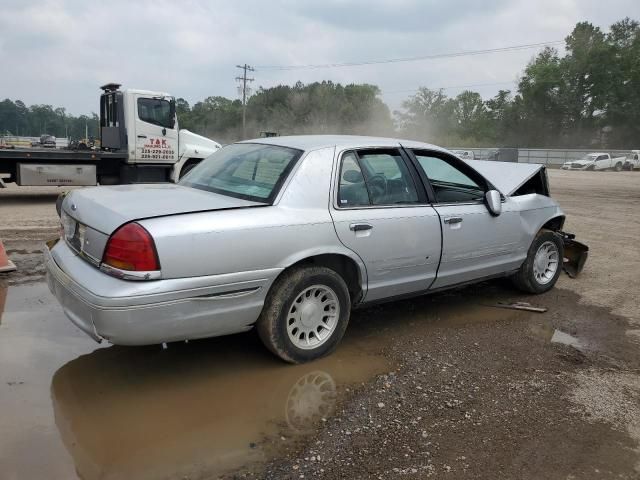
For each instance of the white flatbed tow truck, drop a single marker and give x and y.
(140, 142)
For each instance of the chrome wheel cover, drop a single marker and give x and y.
(545, 263)
(313, 317)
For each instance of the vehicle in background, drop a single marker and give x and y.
(46, 141)
(633, 160)
(84, 144)
(464, 154)
(265, 134)
(503, 154)
(288, 234)
(140, 142)
(595, 161)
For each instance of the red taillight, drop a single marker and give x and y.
(131, 248)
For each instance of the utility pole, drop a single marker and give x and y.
(245, 93)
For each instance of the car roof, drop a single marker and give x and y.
(314, 142)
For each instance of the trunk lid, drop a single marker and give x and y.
(91, 215)
(106, 208)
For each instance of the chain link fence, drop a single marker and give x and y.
(547, 156)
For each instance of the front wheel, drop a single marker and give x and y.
(305, 314)
(542, 267)
(187, 168)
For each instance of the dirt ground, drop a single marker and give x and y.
(443, 386)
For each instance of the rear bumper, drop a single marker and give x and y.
(220, 308)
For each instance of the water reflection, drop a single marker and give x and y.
(548, 333)
(194, 410)
(311, 399)
(208, 407)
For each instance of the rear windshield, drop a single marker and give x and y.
(244, 170)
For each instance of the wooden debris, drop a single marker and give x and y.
(520, 306)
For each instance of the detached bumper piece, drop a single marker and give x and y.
(575, 254)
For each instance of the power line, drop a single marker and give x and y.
(410, 59)
(385, 92)
(245, 92)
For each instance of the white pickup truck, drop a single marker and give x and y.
(596, 161)
(633, 160)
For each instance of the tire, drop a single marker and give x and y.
(278, 321)
(591, 169)
(187, 168)
(528, 278)
(618, 167)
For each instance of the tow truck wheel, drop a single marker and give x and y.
(187, 168)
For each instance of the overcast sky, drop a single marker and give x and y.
(60, 52)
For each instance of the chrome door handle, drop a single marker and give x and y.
(358, 227)
(142, 136)
(452, 220)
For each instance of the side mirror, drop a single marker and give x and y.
(172, 113)
(494, 202)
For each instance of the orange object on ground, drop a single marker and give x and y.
(6, 265)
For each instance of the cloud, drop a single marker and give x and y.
(59, 52)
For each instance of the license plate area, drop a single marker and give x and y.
(74, 232)
(79, 235)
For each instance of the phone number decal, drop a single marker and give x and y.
(157, 149)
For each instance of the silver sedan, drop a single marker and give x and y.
(289, 234)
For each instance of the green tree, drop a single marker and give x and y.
(471, 115)
(427, 115)
(539, 100)
(622, 97)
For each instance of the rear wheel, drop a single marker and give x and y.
(542, 267)
(618, 167)
(305, 314)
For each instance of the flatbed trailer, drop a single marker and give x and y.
(46, 166)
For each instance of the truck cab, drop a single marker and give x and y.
(633, 160)
(143, 126)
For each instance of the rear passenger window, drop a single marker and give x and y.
(375, 177)
(387, 177)
(352, 191)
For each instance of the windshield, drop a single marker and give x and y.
(244, 170)
(590, 157)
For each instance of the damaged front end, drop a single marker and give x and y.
(575, 254)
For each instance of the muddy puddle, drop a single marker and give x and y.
(72, 408)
